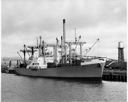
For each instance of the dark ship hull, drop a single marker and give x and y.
(91, 71)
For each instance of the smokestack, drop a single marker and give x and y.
(64, 40)
(64, 31)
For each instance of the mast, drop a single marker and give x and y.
(61, 49)
(75, 36)
(43, 50)
(74, 43)
(70, 54)
(32, 51)
(40, 46)
(37, 42)
(81, 50)
(24, 53)
(55, 56)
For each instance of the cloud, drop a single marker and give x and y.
(45, 15)
(23, 20)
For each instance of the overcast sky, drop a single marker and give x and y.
(24, 20)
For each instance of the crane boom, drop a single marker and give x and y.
(19, 55)
(92, 46)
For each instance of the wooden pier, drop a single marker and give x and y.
(115, 75)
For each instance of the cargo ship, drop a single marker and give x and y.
(64, 63)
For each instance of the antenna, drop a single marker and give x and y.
(37, 42)
(75, 36)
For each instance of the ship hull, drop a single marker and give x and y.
(92, 71)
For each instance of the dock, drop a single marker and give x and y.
(115, 75)
(116, 70)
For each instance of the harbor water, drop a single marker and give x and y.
(27, 89)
